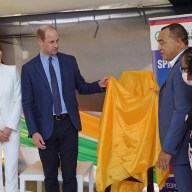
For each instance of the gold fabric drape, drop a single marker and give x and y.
(129, 139)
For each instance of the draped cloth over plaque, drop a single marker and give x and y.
(128, 143)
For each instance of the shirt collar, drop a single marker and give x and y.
(172, 62)
(45, 57)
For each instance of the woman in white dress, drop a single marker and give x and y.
(10, 112)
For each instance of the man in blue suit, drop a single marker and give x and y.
(50, 107)
(174, 103)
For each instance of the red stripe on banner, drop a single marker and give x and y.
(169, 21)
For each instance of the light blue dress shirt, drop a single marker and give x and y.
(55, 62)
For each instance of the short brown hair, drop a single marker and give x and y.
(2, 52)
(41, 31)
(177, 31)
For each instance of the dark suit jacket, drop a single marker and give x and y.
(175, 100)
(37, 98)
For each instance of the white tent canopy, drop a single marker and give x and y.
(26, 7)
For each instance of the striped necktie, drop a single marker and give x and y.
(55, 89)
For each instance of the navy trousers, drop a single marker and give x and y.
(63, 142)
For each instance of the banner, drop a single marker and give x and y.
(161, 68)
(170, 185)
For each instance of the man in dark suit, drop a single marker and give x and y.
(50, 107)
(174, 103)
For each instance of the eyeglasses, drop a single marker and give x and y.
(184, 69)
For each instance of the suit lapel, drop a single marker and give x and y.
(170, 73)
(41, 72)
(62, 65)
(3, 76)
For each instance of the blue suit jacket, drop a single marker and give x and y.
(37, 97)
(175, 100)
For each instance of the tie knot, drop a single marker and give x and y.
(50, 59)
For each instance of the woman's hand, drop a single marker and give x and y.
(4, 136)
(5, 133)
